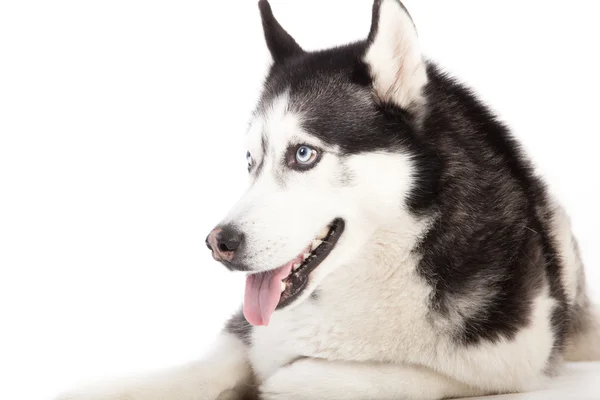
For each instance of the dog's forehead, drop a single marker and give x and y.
(325, 96)
(324, 111)
(277, 124)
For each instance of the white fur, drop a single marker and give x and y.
(312, 379)
(273, 235)
(341, 346)
(395, 58)
(563, 236)
(585, 345)
(221, 370)
(509, 365)
(338, 326)
(262, 212)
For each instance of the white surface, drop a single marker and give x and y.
(121, 127)
(577, 381)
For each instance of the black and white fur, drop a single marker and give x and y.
(457, 274)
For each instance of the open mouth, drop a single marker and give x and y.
(275, 289)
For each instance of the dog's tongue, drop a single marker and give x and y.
(263, 291)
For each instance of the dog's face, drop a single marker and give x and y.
(330, 158)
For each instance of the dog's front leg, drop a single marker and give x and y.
(223, 374)
(312, 379)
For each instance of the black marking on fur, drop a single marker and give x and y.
(240, 327)
(315, 295)
(489, 232)
(333, 90)
(290, 158)
(346, 177)
(490, 241)
(264, 142)
(374, 21)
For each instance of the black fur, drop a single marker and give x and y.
(238, 326)
(492, 230)
(490, 245)
(281, 45)
(330, 87)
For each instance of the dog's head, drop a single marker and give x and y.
(331, 157)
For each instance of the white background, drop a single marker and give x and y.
(120, 147)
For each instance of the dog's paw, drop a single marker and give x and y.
(89, 396)
(98, 395)
(157, 394)
(300, 380)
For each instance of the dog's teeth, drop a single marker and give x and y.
(282, 286)
(295, 266)
(323, 233)
(305, 255)
(316, 243)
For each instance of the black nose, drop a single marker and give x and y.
(229, 239)
(224, 241)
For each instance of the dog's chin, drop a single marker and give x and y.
(292, 282)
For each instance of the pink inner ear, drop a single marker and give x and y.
(394, 56)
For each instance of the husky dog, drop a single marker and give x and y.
(397, 242)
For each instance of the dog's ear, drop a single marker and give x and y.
(394, 56)
(281, 45)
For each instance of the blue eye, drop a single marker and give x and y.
(305, 155)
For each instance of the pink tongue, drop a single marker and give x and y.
(263, 291)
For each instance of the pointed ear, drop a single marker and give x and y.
(394, 56)
(281, 45)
